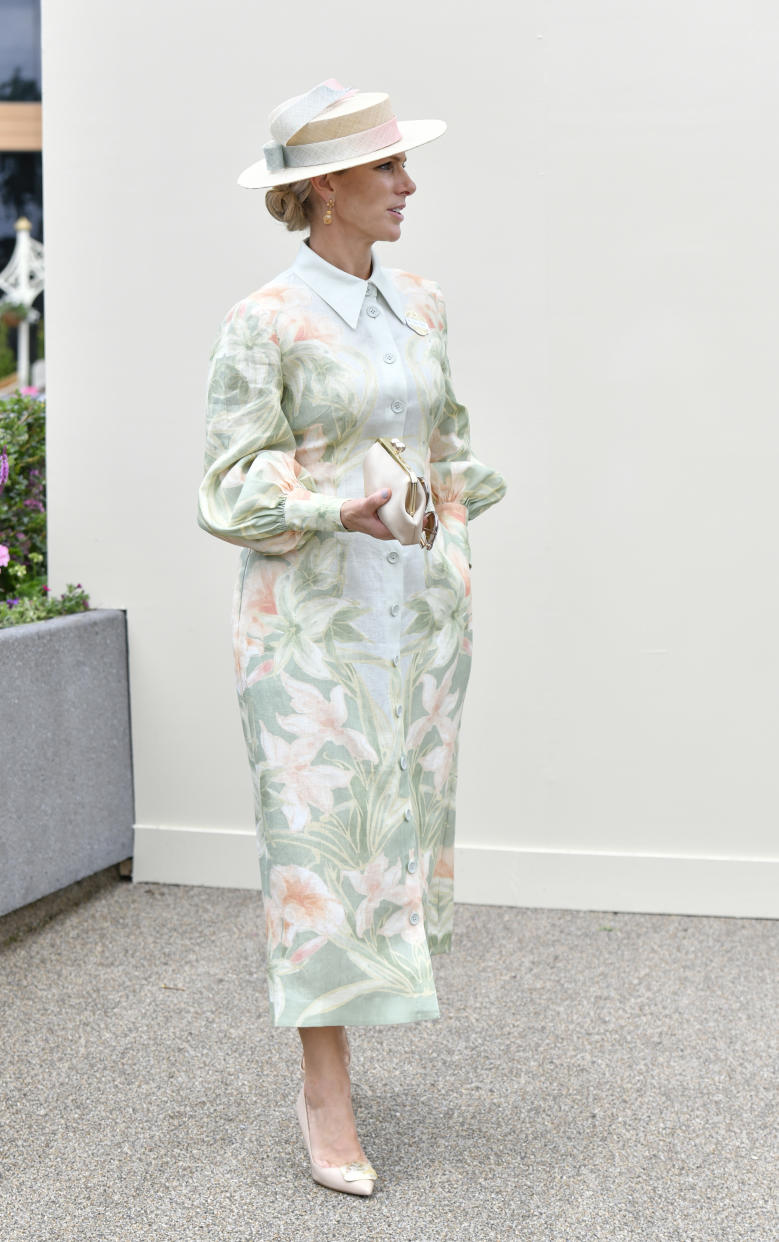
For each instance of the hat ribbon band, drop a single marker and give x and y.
(310, 154)
(292, 116)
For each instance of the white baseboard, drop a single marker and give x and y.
(550, 879)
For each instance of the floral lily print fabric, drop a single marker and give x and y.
(352, 654)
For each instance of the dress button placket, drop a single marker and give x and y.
(382, 319)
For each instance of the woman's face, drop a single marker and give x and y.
(370, 199)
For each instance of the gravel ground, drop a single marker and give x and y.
(594, 1076)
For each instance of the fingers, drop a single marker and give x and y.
(374, 525)
(379, 530)
(361, 514)
(377, 499)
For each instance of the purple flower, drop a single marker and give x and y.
(3, 469)
(45, 590)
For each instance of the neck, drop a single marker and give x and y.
(351, 254)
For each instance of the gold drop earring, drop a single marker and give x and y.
(327, 218)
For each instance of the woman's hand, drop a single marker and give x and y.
(361, 515)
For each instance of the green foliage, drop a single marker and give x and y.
(42, 606)
(7, 355)
(16, 310)
(24, 595)
(23, 498)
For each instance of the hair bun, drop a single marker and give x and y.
(285, 203)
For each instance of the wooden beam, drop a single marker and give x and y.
(20, 127)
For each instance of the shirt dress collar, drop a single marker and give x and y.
(343, 292)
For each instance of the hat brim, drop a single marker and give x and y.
(413, 134)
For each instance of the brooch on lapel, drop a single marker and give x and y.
(417, 325)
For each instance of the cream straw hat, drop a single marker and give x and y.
(329, 128)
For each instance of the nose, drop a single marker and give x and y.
(408, 186)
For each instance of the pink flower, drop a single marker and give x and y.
(253, 621)
(461, 564)
(300, 901)
(5, 555)
(409, 897)
(439, 761)
(304, 783)
(29, 392)
(444, 867)
(311, 452)
(299, 321)
(376, 882)
(440, 707)
(323, 720)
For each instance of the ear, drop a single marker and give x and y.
(323, 186)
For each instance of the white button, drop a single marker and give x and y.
(398, 710)
(394, 610)
(413, 917)
(398, 407)
(392, 557)
(407, 813)
(412, 865)
(373, 310)
(389, 357)
(396, 660)
(403, 762)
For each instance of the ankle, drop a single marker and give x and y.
(324, 1090)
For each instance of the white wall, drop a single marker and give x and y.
(602, 217)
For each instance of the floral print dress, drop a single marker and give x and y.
(352, 654)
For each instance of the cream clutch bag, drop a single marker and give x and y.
(408, 514)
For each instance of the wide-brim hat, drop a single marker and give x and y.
(329, 128)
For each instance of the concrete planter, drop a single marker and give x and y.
(66, 794)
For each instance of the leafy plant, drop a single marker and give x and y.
(24, 595)
(42, 606)
(14, 310)
(23, 495)
(7, 355)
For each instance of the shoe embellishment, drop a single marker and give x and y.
(356, 1170)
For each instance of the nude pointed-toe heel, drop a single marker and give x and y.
(356, 1178)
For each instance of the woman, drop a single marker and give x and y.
(352, 650)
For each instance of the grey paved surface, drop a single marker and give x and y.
(594, 1076)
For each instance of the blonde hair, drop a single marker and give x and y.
(286, 203)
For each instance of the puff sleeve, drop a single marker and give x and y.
(457, 477)
(254, 492)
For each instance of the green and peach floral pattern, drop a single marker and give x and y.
(352, 655)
